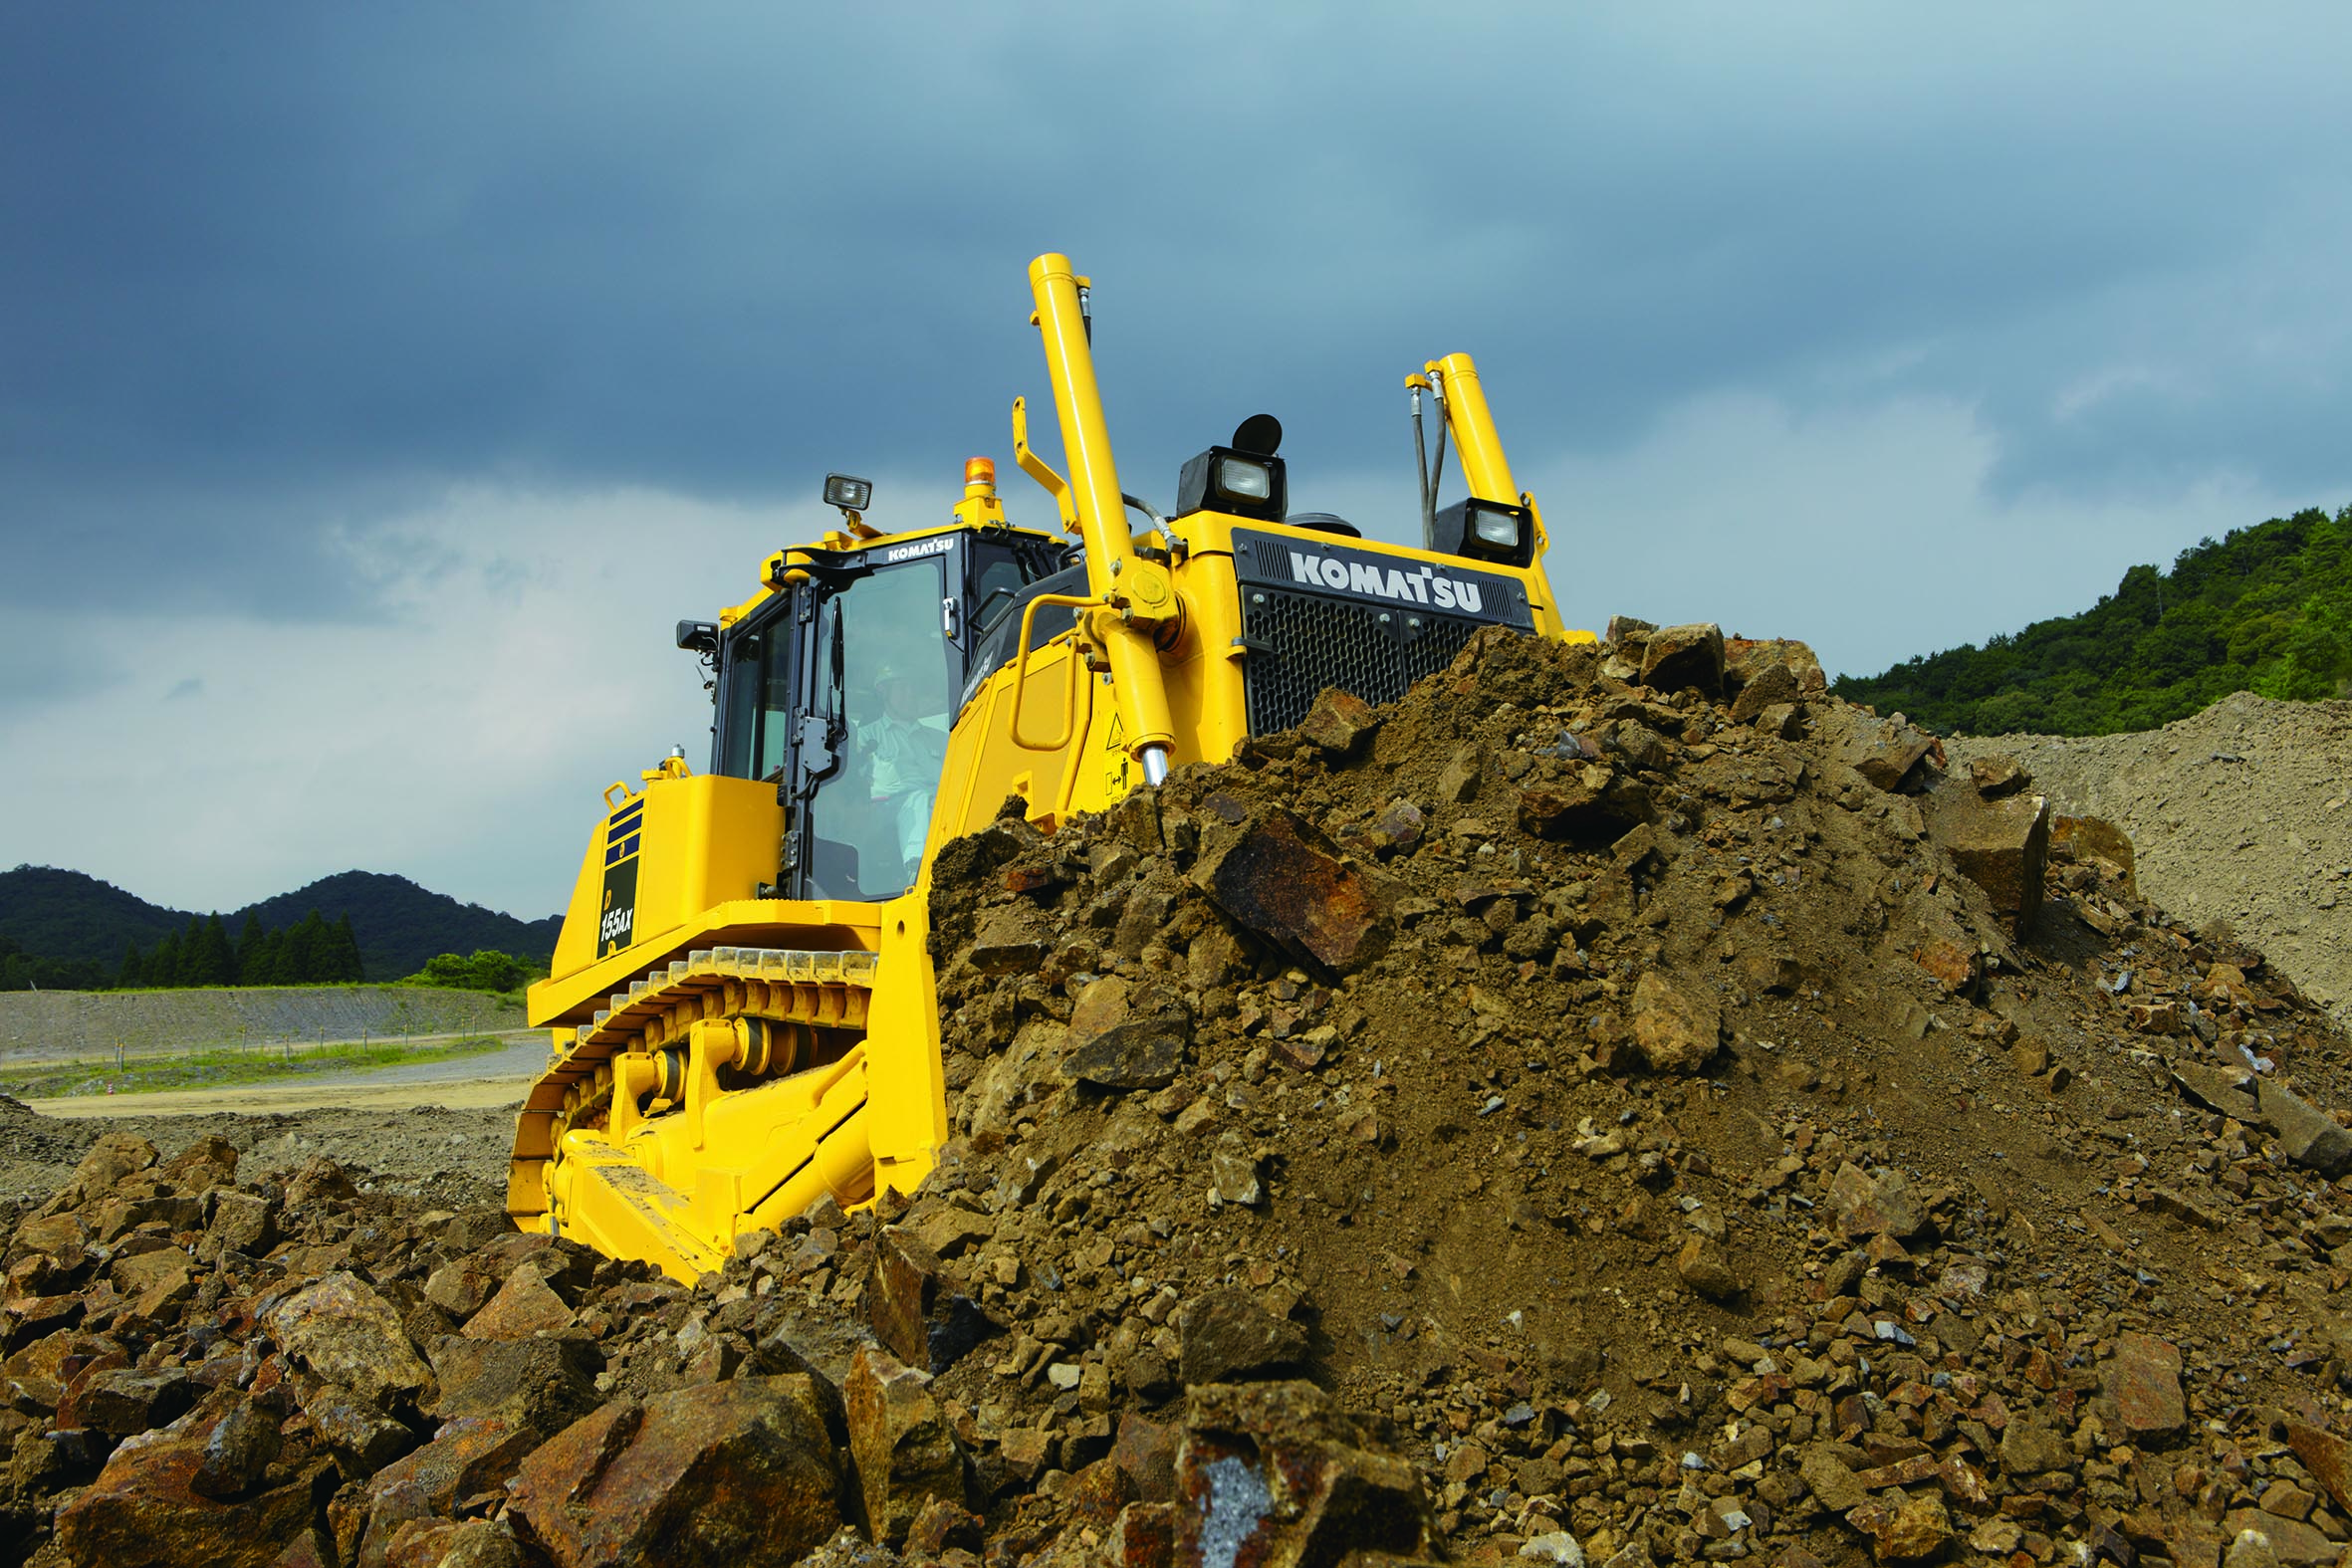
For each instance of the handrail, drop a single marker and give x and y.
(1070, 701)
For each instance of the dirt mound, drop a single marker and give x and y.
(1583, 1113)
(2242, 813)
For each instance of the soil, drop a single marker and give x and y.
(1592, 1073)
(2242, 813)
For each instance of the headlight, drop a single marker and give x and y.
(1485, 530)
(847, 492)
(1244, 480)
(1498, 528)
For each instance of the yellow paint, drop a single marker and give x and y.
(732, 1057)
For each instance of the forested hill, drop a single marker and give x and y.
(72, 919)
(2267, 610)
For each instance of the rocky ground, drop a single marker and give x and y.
(2242, 813)
(1615, 1106)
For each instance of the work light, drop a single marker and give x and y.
(1245, 484)
(1486, 531)
(847, 492)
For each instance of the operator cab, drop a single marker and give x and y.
(841, 687)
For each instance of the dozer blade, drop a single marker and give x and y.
(728, 1090)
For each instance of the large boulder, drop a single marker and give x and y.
(723, 1473)
(2000, 843)
(1273, 1474)
(905, 1455)
(344, 1332)
(150, 1505)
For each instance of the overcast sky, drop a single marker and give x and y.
(378, 384)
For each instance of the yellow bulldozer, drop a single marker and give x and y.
(742, 1000)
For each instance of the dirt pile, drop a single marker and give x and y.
(2241, 815)
(1580, 1114)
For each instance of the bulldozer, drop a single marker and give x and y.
(742, 1001)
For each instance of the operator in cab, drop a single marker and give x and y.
(905, 746)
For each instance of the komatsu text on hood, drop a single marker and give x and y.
(1321, 568)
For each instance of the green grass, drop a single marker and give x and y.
(203, 1069)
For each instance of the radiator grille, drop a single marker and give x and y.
(1301, 643)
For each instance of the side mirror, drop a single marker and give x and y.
(698, 636)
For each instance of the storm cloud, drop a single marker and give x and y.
(332, 337)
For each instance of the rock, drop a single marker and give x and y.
(1283, 880)
(126, 1400)
(2002, 844)
(1146, 1451)
(906, 1459)
(205, 1164)
(1554, 1546)
(362, 1439)
(448, 1543)
(1226, 1336)
(345, 1333)
(469, 1456)
(1013, 939)
(2028, 1449)
(2229, 1090)
(1273, 1474)
(1917, 1528)
(1882, 751)
(1772, 686)
(729, 1472)
(2144, 1381)
(1998, 775)
(1703, 1268)
(1684, 656)
(144, 1509)
(2094, 837)
(238, 1450)
(112, 1157)
(244, 1222)
(1456, 781)
(2308, 1134)
(1747, 659)
(901, 1292)
(1831, 1482)
(2327, 1456)
(1233, 1172)
(2292, 1543)
(541, 1384)
(1676, 1027)
(526, 1305)
(1125, 1036)
(1337, 722)
(319, 1181)
(1881, 1205)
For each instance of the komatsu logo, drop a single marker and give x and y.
(1427, 585)
(930, 546)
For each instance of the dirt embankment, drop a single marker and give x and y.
(1582, 1113)
(55, 1024)
(2242, 813)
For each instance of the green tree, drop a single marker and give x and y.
(134, 970)
(343, 947)
(216, 958)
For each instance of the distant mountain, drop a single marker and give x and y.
(68, 916)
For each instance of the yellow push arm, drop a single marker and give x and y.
(1483, 467)
(1115, 575)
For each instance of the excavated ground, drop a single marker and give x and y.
(1590, 1080)
(2242, 813)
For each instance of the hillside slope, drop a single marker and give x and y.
(2268, 609)
(67, 915)
(2242, 813)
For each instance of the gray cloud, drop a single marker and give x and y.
(278, 281)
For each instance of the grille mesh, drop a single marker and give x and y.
(1301, 643)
